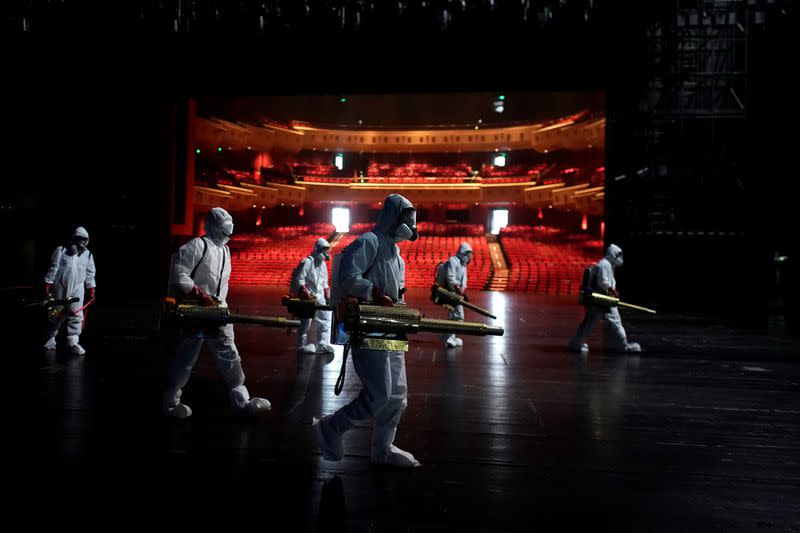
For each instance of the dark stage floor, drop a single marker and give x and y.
(699, 433)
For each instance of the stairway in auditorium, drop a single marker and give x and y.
(498, 281)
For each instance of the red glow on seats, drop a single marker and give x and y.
(512, 173)
(268, 257)
(388, 171)
(540, 259)
(546, 260)
(437, 242)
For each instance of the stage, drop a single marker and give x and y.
(700, 432)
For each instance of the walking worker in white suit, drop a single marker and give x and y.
(202, 268)
(70, 275)
(310, 281)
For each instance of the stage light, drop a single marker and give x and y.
(343, 99)
(584, 222)
(197, 151)
(501, 97)
(338, 161)
(340, 218)
(499, 107)
(219, 148)
(499, 220)
(500, 160)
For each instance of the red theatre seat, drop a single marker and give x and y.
(546, 260)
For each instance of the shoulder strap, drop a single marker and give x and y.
(225, 252)
(437, 269)
(205, 248)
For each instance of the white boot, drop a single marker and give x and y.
(324, 348)
(77, 349)
(181, 411)
(308, 348)
(396, 457)
(257, 406)
(50, 344)
(577, 346)
(329, 441)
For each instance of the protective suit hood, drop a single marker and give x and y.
(462, 252)
(74, 247)
(219, 226)
(81, 232)
(319, 250)
(614, 255)
(390, 214)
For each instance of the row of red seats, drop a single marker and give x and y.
(454, 229)
(413, 179)
(490, 171)
(430, 228)
(327, 179)
(268, 257)
(422, 256)
(316, 170)
(541, 259)
(546, 260)
(515, 179)
(268, 234)
(418, 170)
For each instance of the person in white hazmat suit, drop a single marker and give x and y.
(200, 269)
(605, 283)
(452, 275)
(71, 273)
(310, 281)
(372, 270)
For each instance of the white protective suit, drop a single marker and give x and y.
(373, 260)
(454, 273)
(312, 273)
(205, 262)
(605, 283)
(71, 273)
